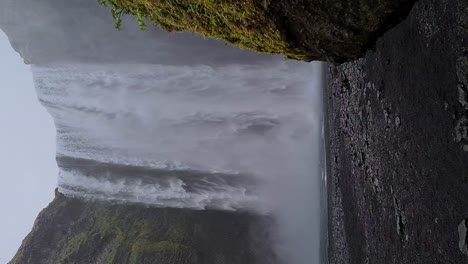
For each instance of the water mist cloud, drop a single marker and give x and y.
(176, 103)
(259, 124)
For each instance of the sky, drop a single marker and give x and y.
(27, 152)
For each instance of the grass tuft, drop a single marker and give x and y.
(243, 23)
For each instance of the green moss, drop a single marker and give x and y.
(20, 254)
(244, 23)
(117, 245)
(334, 30)
(178, 235)
(72, 247)
(143, 248)
(75, 231)
(111, 229)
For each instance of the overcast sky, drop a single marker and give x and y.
(27, 152)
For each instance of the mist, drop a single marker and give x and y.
(174, 120)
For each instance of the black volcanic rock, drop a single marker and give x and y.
(398, 181)
(336, 30)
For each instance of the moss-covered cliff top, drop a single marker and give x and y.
(332, 30)
(75, 231)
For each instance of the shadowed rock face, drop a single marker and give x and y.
(336, 30)
(398, 151)
(331, 30)
(76, 231)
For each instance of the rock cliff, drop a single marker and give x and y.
(77, 231)
(398, 143)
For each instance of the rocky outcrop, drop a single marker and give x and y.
(51, 31)
(81, 31)
(330, 30)
(398, 185)
(76, 231)
(336, 30)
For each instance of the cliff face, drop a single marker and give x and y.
(76, 231)
(81, 31)
(398, 143)
(331, 30)
(49, 31)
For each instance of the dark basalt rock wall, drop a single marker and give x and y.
(398, 130)
(76, 231)
(336, 30)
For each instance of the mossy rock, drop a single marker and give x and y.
(330, 30)
(73, 231)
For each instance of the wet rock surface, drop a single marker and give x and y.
(398, 176)
(335, 30)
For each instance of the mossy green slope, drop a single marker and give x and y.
(242, 23)
(75, 231)
(332, 30)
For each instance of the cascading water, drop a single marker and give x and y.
(180, 136)
(174, 120)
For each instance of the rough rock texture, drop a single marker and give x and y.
(51, 31)
(330, 30)
(398, 131)
(81, 31)
(76, 231)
